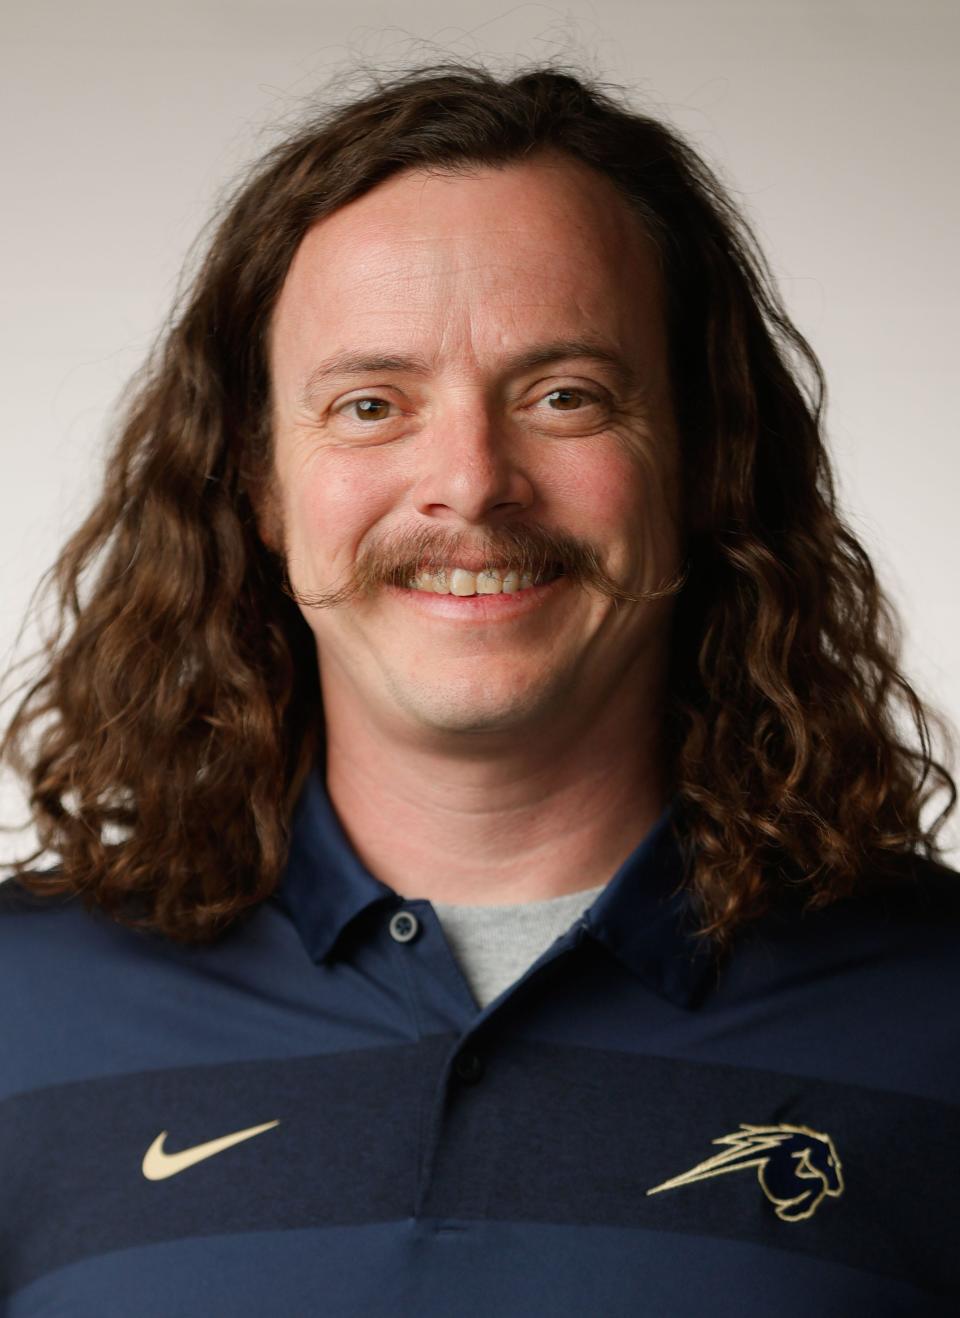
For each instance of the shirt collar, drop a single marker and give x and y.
(324, 886)
(643, 916)
(646, 918)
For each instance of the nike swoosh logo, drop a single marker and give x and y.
(158, 1165)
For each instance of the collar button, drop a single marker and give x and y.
(404, 926)
(468, 1067)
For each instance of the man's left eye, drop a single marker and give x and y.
(568, 400)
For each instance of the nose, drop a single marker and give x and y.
(470, 469)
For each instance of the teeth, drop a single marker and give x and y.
(458, 581)
(488, 583)
(462, 582)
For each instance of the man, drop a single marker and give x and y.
(491, 882)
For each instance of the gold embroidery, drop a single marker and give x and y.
(158, 1164)
(783, 1155)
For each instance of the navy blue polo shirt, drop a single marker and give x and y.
(312, 1115)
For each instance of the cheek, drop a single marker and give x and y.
(334, 501)
(626, 505)
(603, 494)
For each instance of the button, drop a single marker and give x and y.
(404, 926)
(469, 1067)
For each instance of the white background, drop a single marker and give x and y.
(834, 122)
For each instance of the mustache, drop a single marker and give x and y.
(526, 548)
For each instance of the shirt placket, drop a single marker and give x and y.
(459, 1102)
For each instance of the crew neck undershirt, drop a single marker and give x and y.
(494, 945)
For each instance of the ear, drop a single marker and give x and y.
(266, 512)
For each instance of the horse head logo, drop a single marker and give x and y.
(797, 1167)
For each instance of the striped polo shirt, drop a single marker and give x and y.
(312, 1116)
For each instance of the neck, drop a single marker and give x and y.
(525, 822)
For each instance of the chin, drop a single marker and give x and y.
(478, 698)
(476, 712)
(472, 719)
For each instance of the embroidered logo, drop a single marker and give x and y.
(796, 1167)
(158, 1164)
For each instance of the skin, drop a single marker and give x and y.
(482, 759)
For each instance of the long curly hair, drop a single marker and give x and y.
(177, 710)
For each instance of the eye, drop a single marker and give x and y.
(367, 409)
(568, 400)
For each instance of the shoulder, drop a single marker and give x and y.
(16, 897)
(65, 972)
(84, 994)
(915, 902)
(914, 907)
(36, 916)
(45, 934)
(862, 989)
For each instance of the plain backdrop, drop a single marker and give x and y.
(834, 122)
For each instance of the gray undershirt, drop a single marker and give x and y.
(496, 944)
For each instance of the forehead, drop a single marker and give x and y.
(469, 263)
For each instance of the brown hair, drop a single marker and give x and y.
(177, 711)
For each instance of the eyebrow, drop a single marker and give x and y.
(345, 364)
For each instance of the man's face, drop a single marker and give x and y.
(463, 366)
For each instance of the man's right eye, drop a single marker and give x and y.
(368, 409)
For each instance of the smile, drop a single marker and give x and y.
(499, 606)
(463, 581)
